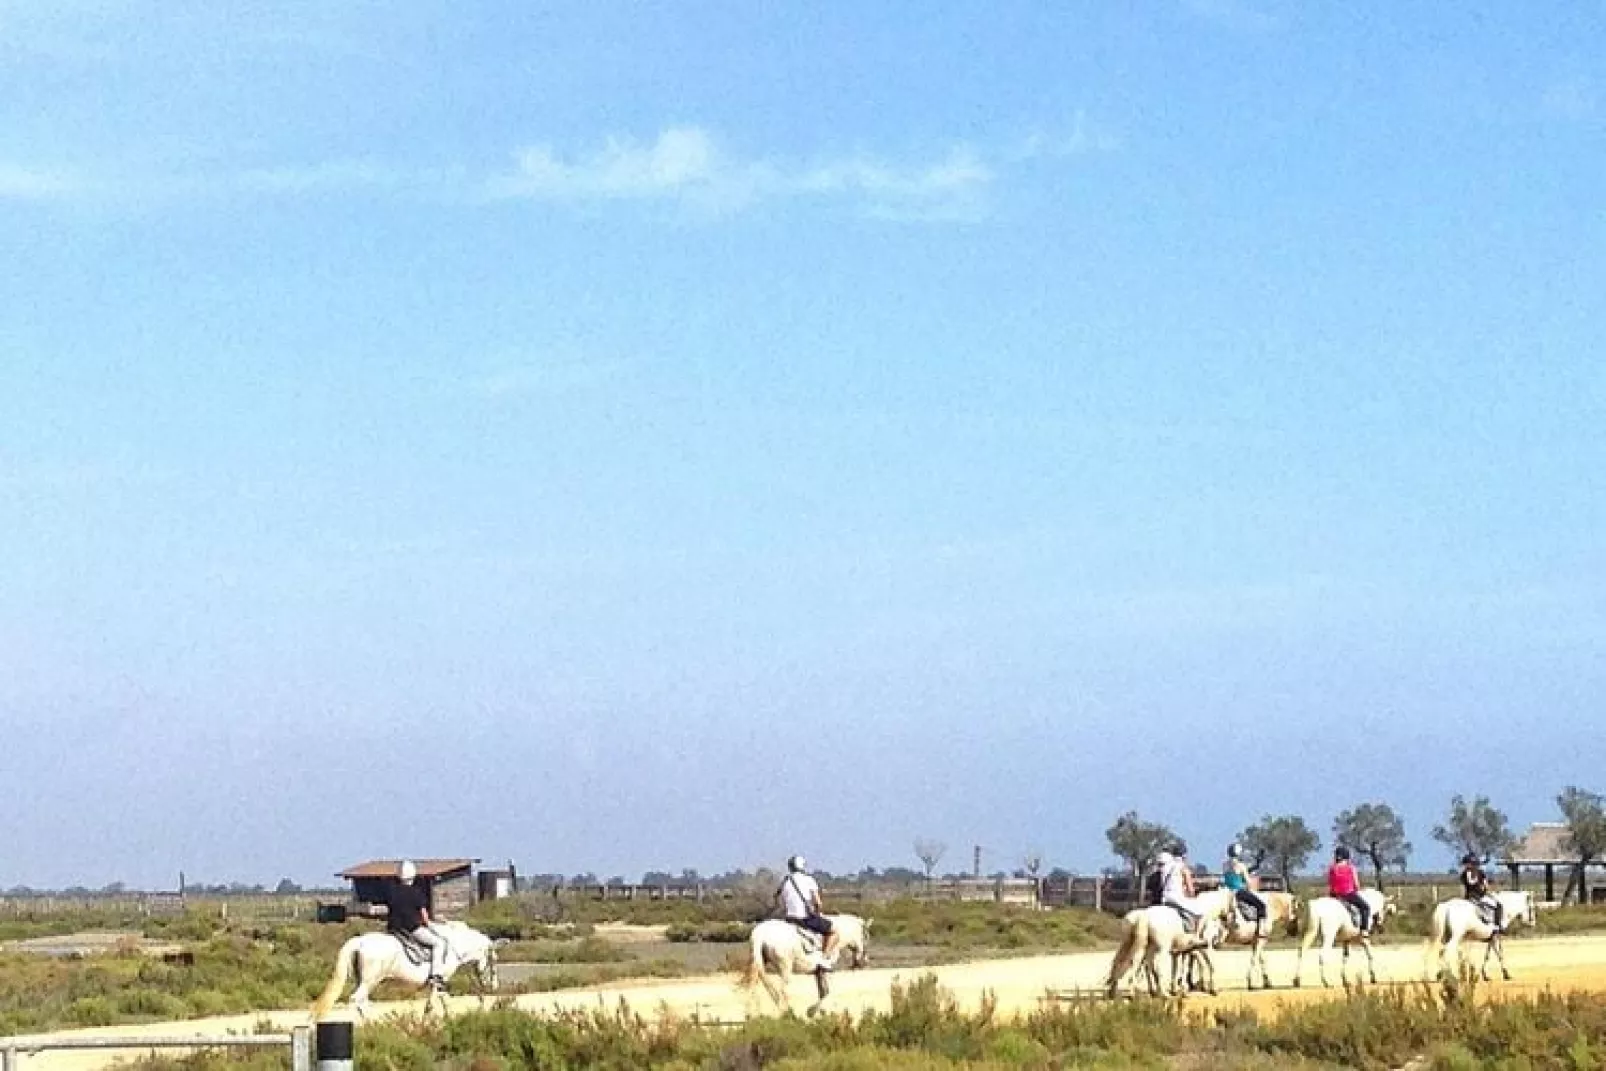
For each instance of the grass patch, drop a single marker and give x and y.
(924, 1028)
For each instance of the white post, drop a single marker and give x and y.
(301, 1049)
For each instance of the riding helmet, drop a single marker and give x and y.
(1340, 852)
(1234, 850)
(1469, 859)
(408, 871)
(797, 864)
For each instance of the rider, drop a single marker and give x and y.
(1235, 876)
(1475, 887)
(1344, 884)
(1178, 890)
(799, 897)
(407, 910)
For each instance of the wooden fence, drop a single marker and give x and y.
(267, 907)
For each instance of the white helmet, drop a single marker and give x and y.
(1234, 850)
(408, 871)
(797, 864)
(1164, 859)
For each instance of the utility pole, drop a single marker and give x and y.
(975, 863)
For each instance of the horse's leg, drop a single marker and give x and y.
(1321, 960)
(359, 1001)
(822, 987)
(1371, 964)
(1164, 967)
(1308, 938)
(777, 987)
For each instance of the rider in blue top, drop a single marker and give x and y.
(1235, 876)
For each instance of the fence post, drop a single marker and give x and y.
(301, 1049)
(8, 1060)
(334, 1046)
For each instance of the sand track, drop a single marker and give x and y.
(1018, 985)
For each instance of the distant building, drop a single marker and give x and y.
(1545, 848)
(448, 884)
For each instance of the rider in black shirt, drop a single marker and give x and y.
(1475, 887)
(407, 912)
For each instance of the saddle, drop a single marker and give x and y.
(1247, 910)
(1189, 919)
(1485, 911)
(811, 940)
(416, 953)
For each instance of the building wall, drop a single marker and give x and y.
(451, 896)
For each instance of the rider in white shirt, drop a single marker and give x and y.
(799, 897)
(1177, 888)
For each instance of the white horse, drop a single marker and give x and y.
(1327, 919)
(1460, 919)
(779, 947)
(1152, 936)
(1282, 911)
(372, 958)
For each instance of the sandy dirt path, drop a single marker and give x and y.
(1018, 985)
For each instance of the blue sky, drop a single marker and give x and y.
(659, 435)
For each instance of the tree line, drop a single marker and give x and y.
(1375, 833)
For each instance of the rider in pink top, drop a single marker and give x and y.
(1344, 884)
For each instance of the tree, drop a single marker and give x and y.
(929, 852)
(1475, 828)
(1374, 830)
(1283, 842)
(1032, 861)
(1585, 813)
(1138, 842)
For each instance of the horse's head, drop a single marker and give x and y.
(479, 951)
(1391, 907)
(1522, 909)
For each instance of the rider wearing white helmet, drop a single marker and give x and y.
(1236, 875)
(1177, 889)
(799, 897)
(407, 913)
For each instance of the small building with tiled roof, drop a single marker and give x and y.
(1545, 847)
(448, 884)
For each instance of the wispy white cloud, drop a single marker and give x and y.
(1244, 15)
(684, 165)
(1575, 99)
(32, 184)
(524, 379)
(1048, 144)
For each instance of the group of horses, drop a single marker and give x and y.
(1158, 946)
(1170, 955)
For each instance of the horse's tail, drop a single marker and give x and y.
(753, 969)
(344, 960)
(1132, 942)
(1435, 944)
